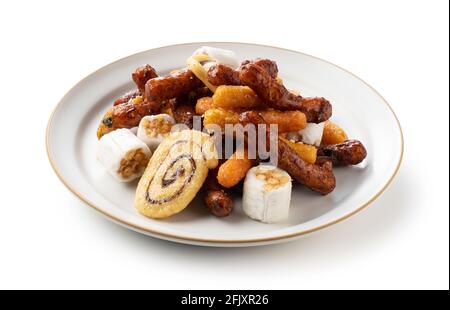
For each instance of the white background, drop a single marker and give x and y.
(48, 239)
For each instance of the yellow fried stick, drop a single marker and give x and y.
(333, 134)
(234, 169)
(305, 151)
(232, 97)
(203, 104)
(287, 121)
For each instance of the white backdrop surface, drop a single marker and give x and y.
(49, 239)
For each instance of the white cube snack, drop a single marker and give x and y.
(267, 194)
(123, 155)
(154, 128)
(312, 133)
(220, 55)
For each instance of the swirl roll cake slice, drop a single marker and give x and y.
(175, 173)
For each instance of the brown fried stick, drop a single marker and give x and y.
(349, 152)
(278, 97)
(141, 75)
(127, 97)
(171, 86)
(183, 107)
(317, 177)
(220, 74)
(129, 114)
(223, 75)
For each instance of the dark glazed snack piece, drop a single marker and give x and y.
(127, 97)
(199, 93)
(317, 177)
(141, 75)
(219, 202)
(183, 113)
(128, 115)
(349, 152)
(317, 110)
(183, 107)
(171, 86)
(223, 75)
(217, 199)
(268, 65)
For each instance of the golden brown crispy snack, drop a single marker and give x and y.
(234, 169)
(278, 97)
(171, 86)
(349, 152)
(128, 115)
(105, 125)
(141, 75)
(203, 104)
(220, 117)
(287, 121)
(233, 97)
(333, 134)
(317, 177)
(305, 151)
(217, 199)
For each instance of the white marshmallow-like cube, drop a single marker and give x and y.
(312, 133)
(123, 155)
(267, 194)
(220, 55)
(153, 129)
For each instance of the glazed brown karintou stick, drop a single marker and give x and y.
(220, 74)
(217, 199)
(317, 177)
(349, 152)
(183, 113)
(183, 107)
(129, 114)
(268, 65)
(171, 86)
(317, 110)
(142, 74)
(127, 97)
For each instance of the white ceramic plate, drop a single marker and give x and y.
(365, 115)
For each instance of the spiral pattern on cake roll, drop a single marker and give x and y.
(175, 173)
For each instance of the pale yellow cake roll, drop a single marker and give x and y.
(175, 173)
